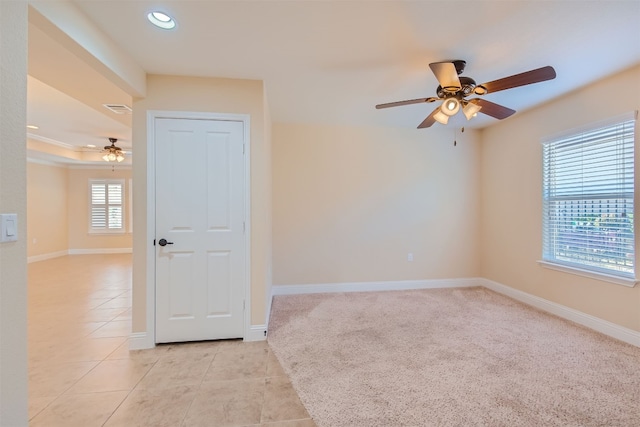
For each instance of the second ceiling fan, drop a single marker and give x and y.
(454, 89)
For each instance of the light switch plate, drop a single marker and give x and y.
(8, 227)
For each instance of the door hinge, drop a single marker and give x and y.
(243, 148)
(244, 305)
(154, 242)
(244, 227)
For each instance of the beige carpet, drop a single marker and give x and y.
(450, 357)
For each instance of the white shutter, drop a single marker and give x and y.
(98, 206)
(588, 191)
(106, 206)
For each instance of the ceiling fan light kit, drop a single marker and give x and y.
(450, 106)
(471, 110)
(453, 90)
(112, 153)
(441, 117)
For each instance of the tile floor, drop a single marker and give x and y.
(81, 372)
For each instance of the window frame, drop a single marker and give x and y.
(130, 201)
(574, 267)
(106, 230)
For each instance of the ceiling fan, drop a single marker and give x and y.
(454, 90)
(112, 153)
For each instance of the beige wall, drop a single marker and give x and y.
(13, 199)
(350, 203)
(511, 218)
(58, 210)
(78, 207)
(172, 93)
(47, 220)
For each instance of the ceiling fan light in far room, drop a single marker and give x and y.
(441, 117)
(113, 153)
(471, 110)
(450, 106)
(113, 157)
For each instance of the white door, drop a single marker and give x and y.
(200, 193)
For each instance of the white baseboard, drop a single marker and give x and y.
(256, 333)
(140, 341)
(43, 257)
(400, 285)
(100, 251)
(269, 304)
(603, 326)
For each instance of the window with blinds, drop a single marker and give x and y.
(106, 206)
(588, 191)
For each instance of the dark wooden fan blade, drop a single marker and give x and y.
(430, 120)
(407, 102)
(447, 75)
(492, 109)
(522, 79)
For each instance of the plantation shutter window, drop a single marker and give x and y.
(106, 206)
(588, 192)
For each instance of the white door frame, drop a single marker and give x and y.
(152, 115)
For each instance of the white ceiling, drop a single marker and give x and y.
(332, 61)
(68, 122)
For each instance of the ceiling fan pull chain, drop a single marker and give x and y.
(455, 136)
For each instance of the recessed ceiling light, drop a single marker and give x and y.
(161, 20)
(33, 127)
(91, 146)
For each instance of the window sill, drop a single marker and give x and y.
(630, 283)
(107, 233)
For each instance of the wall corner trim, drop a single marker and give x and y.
(395, 285)
(99, 251)
(44, 257)
(600, 325)
(256, 333)
(140, 341)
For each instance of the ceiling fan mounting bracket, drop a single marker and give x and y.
(467, 87)
(459, 64)
(113, 146)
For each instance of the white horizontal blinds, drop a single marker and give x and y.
(106, 205)
(588, 188)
